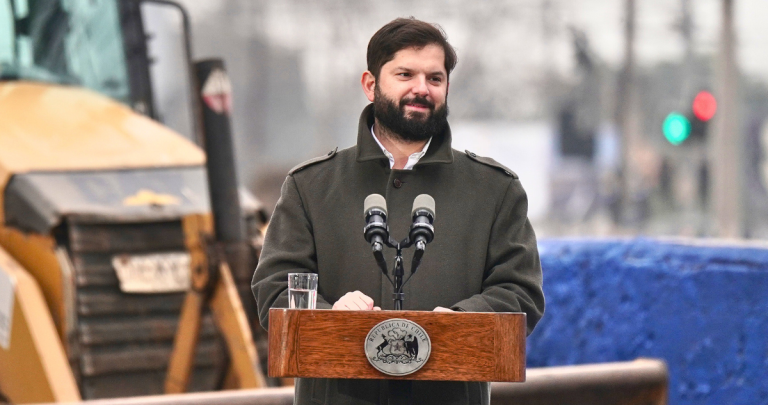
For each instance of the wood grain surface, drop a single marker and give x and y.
(466, 346)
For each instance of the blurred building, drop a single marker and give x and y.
(553, 64)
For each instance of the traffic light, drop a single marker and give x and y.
(703, 108)
(677, 128)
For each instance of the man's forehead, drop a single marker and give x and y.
(428, 54)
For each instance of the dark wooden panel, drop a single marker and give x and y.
(122, 237)
(97, 360)
(132, 384)
(96, 270)
(124, 340)
(466, 346)
(105, 301)
(153, 328)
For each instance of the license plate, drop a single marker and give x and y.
(153, 273)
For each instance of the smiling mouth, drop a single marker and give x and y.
(417, 107)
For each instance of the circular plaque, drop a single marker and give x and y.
(397, 347)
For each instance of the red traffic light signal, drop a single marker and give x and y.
(704, 106)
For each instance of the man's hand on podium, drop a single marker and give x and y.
(355, 301)
(442, 309)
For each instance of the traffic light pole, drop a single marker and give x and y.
(629, 124)
(727, 143)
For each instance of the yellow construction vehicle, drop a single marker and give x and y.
(108, 217)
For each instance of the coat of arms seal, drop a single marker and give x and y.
(397, 347)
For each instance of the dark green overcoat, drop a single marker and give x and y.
(483, 257)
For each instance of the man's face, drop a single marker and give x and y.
(410, 94)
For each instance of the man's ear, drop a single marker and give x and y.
(368, 81)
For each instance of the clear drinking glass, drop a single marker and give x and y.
(302, 290)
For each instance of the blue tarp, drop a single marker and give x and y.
(700, 306)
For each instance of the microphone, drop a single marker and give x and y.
(423, 212)
(376, 231)
(422, 231)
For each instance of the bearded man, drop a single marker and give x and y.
(483, 257)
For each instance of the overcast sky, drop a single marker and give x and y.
(301, 25)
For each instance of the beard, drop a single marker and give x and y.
(414, 128)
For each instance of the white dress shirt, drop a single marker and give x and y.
(412, 160)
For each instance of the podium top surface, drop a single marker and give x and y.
(465, 346)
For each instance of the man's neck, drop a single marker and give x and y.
(398, 147)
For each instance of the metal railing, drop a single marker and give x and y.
(639, 382)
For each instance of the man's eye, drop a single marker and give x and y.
(404, 74)
(436, 79)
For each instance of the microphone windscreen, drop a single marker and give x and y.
(423, 202)
(374, 201)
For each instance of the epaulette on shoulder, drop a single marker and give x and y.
(490, 162)
(310, 162)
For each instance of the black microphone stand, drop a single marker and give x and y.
(400, 391)
(398, 271)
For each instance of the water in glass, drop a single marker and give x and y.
(302, 298)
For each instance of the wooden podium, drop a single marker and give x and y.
(465, 346)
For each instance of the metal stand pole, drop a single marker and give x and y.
(398, 273)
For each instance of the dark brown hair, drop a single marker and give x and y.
(402, 33)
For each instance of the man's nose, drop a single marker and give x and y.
(420, 87)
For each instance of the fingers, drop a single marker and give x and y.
(377, 308)
(358, 301)
(442, 309)
(366, 300)
(354, 301)
(341, 303)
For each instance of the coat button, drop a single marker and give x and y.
(397, 183)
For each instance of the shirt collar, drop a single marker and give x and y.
(438, 151)
(412, 159)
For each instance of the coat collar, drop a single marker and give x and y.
(367, 149)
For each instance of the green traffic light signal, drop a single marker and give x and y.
(676, 128)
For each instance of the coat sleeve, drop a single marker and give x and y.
(512, 280)
(289, 247)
